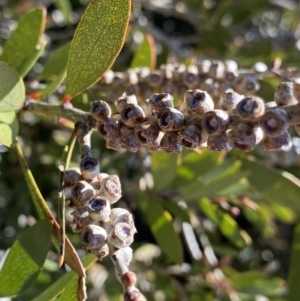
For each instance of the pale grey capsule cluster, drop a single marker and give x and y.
(235, 121)
(213, 76)
(103, 229)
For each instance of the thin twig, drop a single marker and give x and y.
(56, 111)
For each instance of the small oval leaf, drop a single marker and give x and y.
(12, 90)
(9, 127)
(56, 64)
(31, 60)
(98, 40)
(25, 259)
(162, 228)
(145, 55)
(25, 40)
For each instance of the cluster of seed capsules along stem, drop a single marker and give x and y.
(104, 230)
(235, 121)
(213, 76)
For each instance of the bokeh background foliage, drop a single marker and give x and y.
(211, 226)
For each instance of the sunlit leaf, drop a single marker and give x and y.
(32, 59)
(261, 218)
(145, 55)
(9, 127)
(255, 283)
(25, 40)
(192, 165)
(70, 292)
(65, 7)
(62, 283)
(284, 214)
(71, 256)
(225, 169)
(98, 40)
(55, 70)
(160, 223)
(12, 90)
(25, 259)
(56, 64)
(197, 189)
(226, 224)
(276, 187)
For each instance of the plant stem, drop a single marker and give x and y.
(56, 111)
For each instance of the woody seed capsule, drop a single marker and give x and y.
(93, 237)
(110, 128)
(169, 143)
(81, 219)
(89, 168)
(250, 108)
(190, 77)
(216, 69)
(284, 94)
(101, 252)
(132, 115)
(71, 176)
(192, 135)
(129, 139)
(158, 102)
(100, 110)
(274, 122)
(296, 91)
(230, 99)
(81, 192)
(170, 119)
(155, 79)
(282, 142)
(244, 137)
(98, 208)
(111, 189)
(218, 143)
(149, 134)
(120, 215)
(246, 84)
(114, 143)
(203, 66)
(198, 102)
(118, 79)
(121, 235)
(125, 100)
(215, 122)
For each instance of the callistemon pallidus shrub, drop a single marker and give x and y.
(205, 105)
